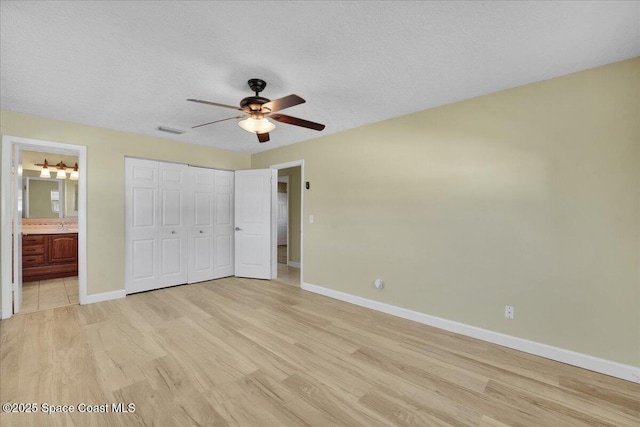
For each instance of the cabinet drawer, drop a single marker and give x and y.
(32, 260)
(32, 250)
(33, 239)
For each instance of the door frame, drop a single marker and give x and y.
(285, 179)
(274, 243)
(8, 145)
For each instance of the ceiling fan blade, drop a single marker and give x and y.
(296, 121)
(282, 103)
(215, 104)
(216, 121)
(263, 137)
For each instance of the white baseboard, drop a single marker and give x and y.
(581, 360)
(105, 296)
(293, 264)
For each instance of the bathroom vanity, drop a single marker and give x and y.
(49, 256)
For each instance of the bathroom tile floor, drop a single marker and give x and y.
(47, 294)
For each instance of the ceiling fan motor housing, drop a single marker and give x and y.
(253, 103)
(257, 85)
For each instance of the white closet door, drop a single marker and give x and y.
(253, 190)
(223, 224)
(173, 229)
(201, 240)
(141, 247)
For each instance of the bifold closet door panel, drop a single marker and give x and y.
(224, 224)
(141, 225)
(173, 224)
(201, 240)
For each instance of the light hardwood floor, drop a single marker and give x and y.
(240, 352)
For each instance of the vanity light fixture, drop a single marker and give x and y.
(75, 175)
(61, 169)
(62, 173)
(45, 172)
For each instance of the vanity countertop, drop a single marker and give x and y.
(49, 226)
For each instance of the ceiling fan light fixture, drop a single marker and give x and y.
(256, 125)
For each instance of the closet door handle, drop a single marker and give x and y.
(201, 231)
(238, 229)
(173, 231)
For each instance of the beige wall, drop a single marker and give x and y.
(527, 197)
(106, 150)
(294, 210)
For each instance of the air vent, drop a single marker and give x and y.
(170, 130)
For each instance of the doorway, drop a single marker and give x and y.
(287, 245)
(74, 288)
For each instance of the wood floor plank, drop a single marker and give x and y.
(242, 352)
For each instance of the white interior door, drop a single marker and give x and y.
(173, 228)
(201, 239)
(224, 224)
(253, 227)
(141, 247)
(17, 229)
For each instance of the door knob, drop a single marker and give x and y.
(238, 228)
(173, 231)
(201, 231)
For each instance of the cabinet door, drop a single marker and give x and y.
(63, 248)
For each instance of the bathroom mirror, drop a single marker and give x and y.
(42, 198)
(49, 198)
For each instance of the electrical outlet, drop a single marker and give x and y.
(509, 312)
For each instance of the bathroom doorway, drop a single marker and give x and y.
(62, 234)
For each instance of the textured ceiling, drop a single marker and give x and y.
(131, 65)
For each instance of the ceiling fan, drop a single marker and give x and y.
(256, 109)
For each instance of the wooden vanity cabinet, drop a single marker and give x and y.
(49, 256)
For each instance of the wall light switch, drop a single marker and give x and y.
(310, 219)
